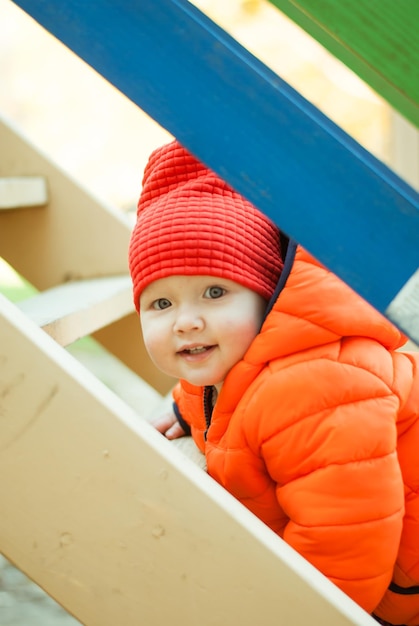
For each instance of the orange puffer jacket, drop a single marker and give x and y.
(316, 431)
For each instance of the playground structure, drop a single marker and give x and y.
(102, 512)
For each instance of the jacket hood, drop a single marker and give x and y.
(312, 307)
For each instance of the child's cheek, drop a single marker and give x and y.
(149, 341)
(154, 339)
(148, 333)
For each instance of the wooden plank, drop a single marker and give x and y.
(269, 143)
(377, 39)
(74, 310)
(109, 518)
(23, 191)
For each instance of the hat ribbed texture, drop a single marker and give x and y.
(190, 222)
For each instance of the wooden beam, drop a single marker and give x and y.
(117, 525)
(313, 180)
(77, 309)
(17, 192)
(377, 39)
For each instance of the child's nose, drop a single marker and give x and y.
(188, 320)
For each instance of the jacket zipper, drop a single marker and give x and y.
(208, 392)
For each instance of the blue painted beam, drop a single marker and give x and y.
(242, 120)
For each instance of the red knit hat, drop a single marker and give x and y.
(190, 222)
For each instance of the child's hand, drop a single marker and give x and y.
(168, 425)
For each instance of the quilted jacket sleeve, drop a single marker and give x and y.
(398, 607)
(328, 439)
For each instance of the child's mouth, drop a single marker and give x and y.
(195, 351)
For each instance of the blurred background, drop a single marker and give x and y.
(101, 139)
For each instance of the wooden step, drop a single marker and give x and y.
(19, 192)
(77, 309)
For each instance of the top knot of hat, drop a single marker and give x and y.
(190, 222)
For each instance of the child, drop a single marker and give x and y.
(290, 383)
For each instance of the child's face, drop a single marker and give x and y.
(197, 327)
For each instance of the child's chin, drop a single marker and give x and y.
(203, 382)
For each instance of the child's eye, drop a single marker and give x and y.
(161, 303)
(214, 292)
